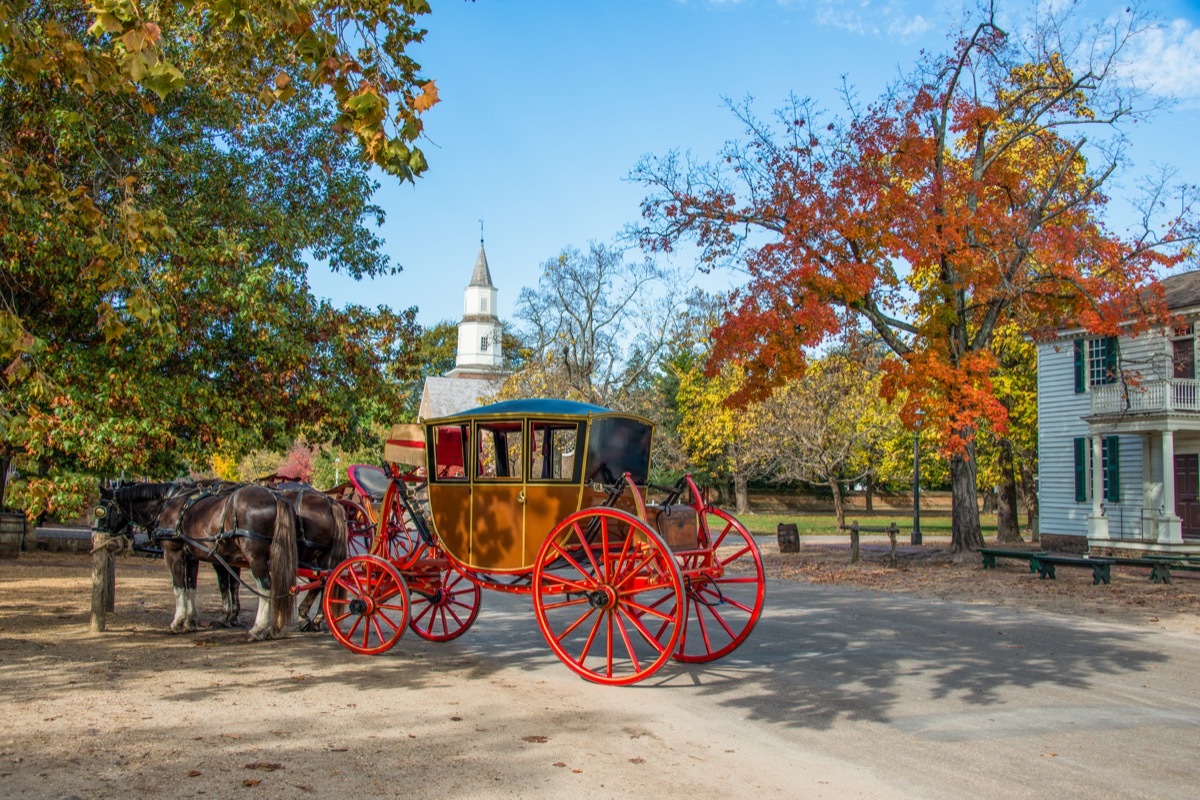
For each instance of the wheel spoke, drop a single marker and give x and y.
(576, 624)
(652, 640)
(587, 646)
(633, 659)
(571, 560)
(587, 548)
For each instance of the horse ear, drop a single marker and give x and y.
(106, 493)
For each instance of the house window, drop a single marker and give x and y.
(1110, 456)
(483, 344)
(1095, 362)
(1183, 358)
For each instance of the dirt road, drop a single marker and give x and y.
(840, 693)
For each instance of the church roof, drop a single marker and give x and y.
(442, 397)
(482, 276)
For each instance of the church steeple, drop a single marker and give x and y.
(479, 346)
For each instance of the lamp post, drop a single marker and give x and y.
(919, 415)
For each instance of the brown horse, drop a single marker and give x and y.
(321, 537)
(233, 526)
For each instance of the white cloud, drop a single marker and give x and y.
(905, 29)
(1166, 60)
(867, 18)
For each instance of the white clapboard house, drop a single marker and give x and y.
(1119, 435)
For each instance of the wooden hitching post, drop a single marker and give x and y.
(891, 532)
(854, 542)
(104, 578)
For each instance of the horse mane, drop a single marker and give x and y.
(138, 492)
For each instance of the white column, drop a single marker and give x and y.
(1171, 530)
(1097, 522)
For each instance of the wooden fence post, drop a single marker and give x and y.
(104, 578)
(891, 532)
(854, 542)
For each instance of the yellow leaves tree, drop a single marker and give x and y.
(726, 440)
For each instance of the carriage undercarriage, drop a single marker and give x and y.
(619, 587)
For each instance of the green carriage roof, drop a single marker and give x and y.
(536, 407)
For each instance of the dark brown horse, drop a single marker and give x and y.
(235, 527)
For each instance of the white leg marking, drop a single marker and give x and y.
(262, 618)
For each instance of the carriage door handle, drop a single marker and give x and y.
(521, 497)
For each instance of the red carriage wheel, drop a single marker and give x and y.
(366, 604)
(724, 590)
(446, 608)
(360, 531)
(607, 593)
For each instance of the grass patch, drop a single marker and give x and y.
(826, 524)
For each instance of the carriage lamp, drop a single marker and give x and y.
(99, 512)
(919, 417)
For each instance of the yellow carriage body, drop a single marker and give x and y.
(501, 477)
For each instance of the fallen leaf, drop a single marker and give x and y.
(538, 739)
(231, 735)
(194, 773)
(338, 749)
(264, 766)
(559, 764)
(251, 782)
(577, 771)
(1049, 755)
(456, 719)
(637, 761)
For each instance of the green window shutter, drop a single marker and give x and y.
(1110, 360)
(1081, 470)
(1112, 470)
(1080, 367)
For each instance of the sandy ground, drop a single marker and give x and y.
(137, 712)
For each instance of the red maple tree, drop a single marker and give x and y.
(965, 200)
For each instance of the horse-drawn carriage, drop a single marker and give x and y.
(547, 498)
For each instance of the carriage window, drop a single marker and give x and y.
(552, 451)
(618, 445)
(499, 446)
(448, 451)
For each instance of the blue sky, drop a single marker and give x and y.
(546, 105)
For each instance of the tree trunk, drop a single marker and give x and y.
(965, 532)
(839, 508)
(742, 497)
(1007, 525)
(1029, 498)
(870, 493)
(4, 462)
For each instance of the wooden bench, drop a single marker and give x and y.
(1044, 563)
(990, 554)
(1160, 571)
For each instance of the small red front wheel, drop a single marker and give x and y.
(446, 607)
(608, 594)
(366, 604)
(360, 531)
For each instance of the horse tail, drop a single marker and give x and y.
(284, 558)
(339, 548)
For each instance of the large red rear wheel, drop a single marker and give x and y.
(446, 608)
(607, 594)
(725, 596)
(366, 604)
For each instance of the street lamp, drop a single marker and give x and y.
(919, 417)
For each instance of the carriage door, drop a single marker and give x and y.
(552, 487)
(1187, 493)
(498, 496)
(449, 487)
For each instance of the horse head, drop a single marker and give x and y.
(131, 504)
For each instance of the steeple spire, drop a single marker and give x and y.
(482, 276)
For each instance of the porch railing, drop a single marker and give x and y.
(1175, 395)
